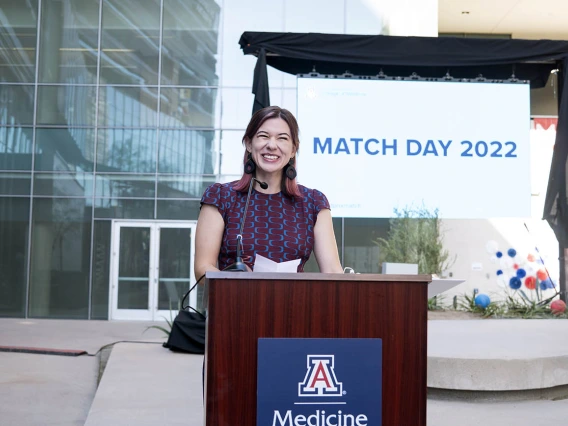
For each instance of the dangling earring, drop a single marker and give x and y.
(250, 167)
(290, 170)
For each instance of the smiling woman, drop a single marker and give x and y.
(284, 220)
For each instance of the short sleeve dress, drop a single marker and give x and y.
(278, 227)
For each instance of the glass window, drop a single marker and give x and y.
(187, 107)
(14, 225)
(130, 39)
(176, 186)
(69, 41)
(15, 183)
(186, 152)
(361, 251)
(16, 105)
(178, 209)
(312, 265)
(18, 36)
(16, 148)
(64, 149)
(101, 269)
(63, 184)
(66, 105)
(128, 106)
(190, 43)
(123, 208)
(125, 186)
(126, 150)
(60, 267)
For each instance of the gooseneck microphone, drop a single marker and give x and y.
(239, 265)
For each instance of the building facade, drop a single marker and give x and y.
(115, 115)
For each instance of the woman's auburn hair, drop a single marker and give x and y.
(288, 186)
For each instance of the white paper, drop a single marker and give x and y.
(262, 264)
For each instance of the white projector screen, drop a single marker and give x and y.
(373, 145)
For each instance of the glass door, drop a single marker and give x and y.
(152, 268)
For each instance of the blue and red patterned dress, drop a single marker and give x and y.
(277, 227)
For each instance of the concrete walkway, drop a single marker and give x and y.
(145, 384)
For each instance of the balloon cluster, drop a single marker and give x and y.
(516, 270)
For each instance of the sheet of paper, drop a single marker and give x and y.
(262, 264)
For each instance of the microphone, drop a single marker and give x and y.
(239, 265)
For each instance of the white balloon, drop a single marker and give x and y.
(492, 247)
(494, 259)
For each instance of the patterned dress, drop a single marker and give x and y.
(277, 227)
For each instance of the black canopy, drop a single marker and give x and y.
(533, 60)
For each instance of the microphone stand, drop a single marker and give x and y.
(239, 265)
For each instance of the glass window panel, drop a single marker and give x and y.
(14, 226)
(130, 38)
(64, 149)
(240, 16)
(16, 148)
(15, 183)
(128, 106)
(125, 186)
(176, 186)
(361, 251)
(66, 105)
(69, 41)
(178, 209)
(61, 247)
(101, 269)
(134, 261)
(312, 265)
(190, 43)
(170, 293)
(232, 152)
(133, 294)
(186, 151)
(126, 150)
(63, 184)
(123, 208)
(187, 107)
(16, 104)
(18, 36)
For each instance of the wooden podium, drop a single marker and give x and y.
(243, 307)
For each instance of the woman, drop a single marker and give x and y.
(285, 221)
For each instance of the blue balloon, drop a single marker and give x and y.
(546, 284)
(499, 254)
(515, 283)
(499, 272)
(521, 273)
(512, 252)
(482, 300)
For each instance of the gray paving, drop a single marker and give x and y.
(497, 355)
(46, 390)
(146, 384)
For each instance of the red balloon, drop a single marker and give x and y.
(530, 257)
(558, 307)
(516, 266)
(530, 283)
(542, 274)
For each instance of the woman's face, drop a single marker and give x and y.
(272, 147)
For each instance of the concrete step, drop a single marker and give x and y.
(146, 384)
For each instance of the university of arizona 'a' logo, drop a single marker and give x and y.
(320, 378)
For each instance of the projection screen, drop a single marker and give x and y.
(375, 145)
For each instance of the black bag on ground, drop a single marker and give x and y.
(188, 330)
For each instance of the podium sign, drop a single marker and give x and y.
(319, 382)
